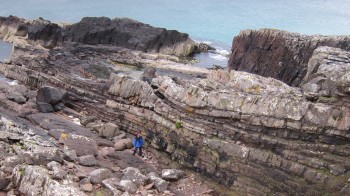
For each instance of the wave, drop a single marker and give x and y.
(13, 83)
(222, 51)
(207, 42)
(218, 57)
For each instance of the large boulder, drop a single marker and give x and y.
(44, 107)
(19, 89)
(328, 74)
(42, 155)
(112, 185)
(108, 130)
(35, 180)
(86, 120)
(123, 144)
(87, 160)
(50, 95)
(98, 175)
(12, 161)
(128, 186)
(59, 106)
(70, 155)
(160, 184)
(81, 144)
(172, 174)
(134, 175)
(16, 97)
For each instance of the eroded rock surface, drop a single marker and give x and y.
(122, 32)
(35, 180)
(253, 134)
(278, 54)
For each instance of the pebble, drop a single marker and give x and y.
(81, 175)
(76, 179)
(71, 165)
(87, 187)
(116, 169)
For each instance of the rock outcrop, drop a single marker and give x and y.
(130, 34)
(255, 135)
(236, 127)
(278, 54)
(121, 32)
(327, 78)
(35, 180)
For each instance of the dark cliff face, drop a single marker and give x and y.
(12, 26)
(121, 32)
(125, 33)
(278, 54)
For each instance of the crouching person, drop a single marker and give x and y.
(138, 143)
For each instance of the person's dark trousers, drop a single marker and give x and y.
(140, 151)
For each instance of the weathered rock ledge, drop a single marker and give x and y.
(279, 54)
(254, 134)
(121, 32)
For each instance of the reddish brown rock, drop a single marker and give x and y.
(278, 54)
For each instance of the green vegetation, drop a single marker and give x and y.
(22, 171)
(178, 125)
(324, 171)
(101, 193)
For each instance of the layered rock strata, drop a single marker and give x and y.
(120, 32)
(278, 54)
(254, 134)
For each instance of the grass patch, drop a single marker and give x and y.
(178, 125)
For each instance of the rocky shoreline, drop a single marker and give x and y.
(279, 54)
(255, 135)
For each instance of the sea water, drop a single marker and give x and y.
(213, 21)
(5, 50)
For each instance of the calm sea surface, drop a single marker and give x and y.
(216, 22)
(5, 50)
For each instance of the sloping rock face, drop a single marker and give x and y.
(120, 32)
(12, 26)
(254, 134)
(278, 54)
(130, 34)
(35, 180)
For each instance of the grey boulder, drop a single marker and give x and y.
(44, 107)
(98, 175)
(160, 184)
(87, 160)
(128, 185)
(50, 95)
(134, 175)
(16, 97)
(172, 174)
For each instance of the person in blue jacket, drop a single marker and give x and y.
(138, 143)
